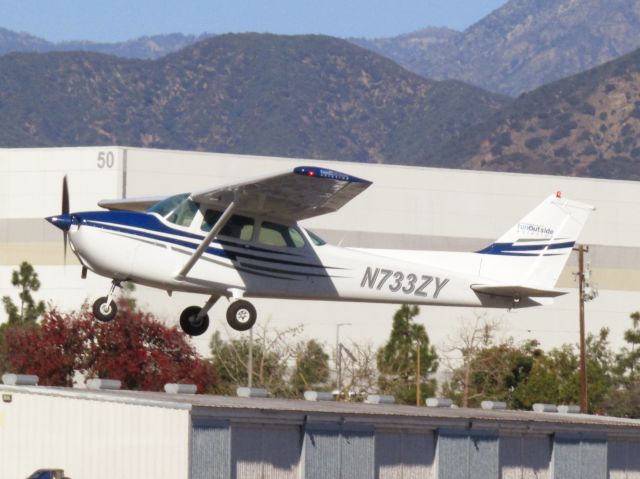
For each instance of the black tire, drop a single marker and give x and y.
(104, 312)
(241, 315)
(190, 325)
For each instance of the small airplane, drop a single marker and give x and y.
(243, 240)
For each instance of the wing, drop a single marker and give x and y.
(131, 204)
(295, 195)
(517, 291)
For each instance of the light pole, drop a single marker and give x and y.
(250, 363)
(418, 382)
(339, 359)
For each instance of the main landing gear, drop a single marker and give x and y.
(241, 316)
(104, 308)
(194, 320)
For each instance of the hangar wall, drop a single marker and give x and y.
(113, 434)
(92, 438)
(407, 207)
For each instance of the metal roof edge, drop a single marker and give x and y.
(102, 396)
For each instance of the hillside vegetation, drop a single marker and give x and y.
(584, 125)
(522, 45)
(300, 96)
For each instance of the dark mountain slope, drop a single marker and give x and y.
(585, 125)
(305, 96)
(524, 44)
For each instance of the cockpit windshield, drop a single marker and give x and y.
(166, 206)
(178, 209)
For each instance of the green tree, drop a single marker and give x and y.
(600, 364)
(273, 349)
(312, 368)
(26, 279)
(522, 375)
(473, 337)
(397, 358)
(493, 372)
(26, 313)
(552, 379)
(623, 398)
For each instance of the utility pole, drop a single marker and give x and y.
(586, 292)
(583, 353)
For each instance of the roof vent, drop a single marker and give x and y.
(539, 407)
(318, 396)
(439, 402)
(172, 388)
(568, 409)
(380, 399)
(11, 379)
(493, 405)
(100, 384)
(245, 392)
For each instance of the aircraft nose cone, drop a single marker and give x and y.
(61, 221)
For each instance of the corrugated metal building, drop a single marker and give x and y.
(407, 207)
(125, 434)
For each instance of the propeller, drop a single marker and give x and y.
(65, 211)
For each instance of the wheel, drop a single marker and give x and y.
(241, 315)
(104, 312)
(190, 323)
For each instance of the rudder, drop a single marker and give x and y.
(535, 250)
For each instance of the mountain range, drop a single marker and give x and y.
(314, 96)
(151, 47)
(522, 45)
(584, 125)
(305, 96)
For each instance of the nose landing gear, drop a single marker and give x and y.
(104, 308)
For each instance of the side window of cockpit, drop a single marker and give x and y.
(274, 234)
(184, 213)
(237, 226)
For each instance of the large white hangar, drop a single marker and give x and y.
(406, 207)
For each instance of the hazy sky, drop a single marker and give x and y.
(113, 20)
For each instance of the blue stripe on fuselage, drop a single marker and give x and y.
(125, 221)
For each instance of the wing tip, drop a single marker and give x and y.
(318, 172)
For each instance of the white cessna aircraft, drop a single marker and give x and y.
(243, 240)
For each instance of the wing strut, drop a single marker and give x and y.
(207, 241)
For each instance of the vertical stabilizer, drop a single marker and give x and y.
(535, 250)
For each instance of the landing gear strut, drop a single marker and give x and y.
(104, 308)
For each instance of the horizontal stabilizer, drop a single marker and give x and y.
(517, 291)
(131, 204)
